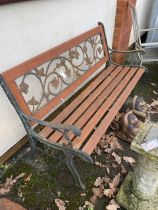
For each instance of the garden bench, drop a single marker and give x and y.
(82, 71)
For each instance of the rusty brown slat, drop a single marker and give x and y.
(72, 106)
(94, 139)
(97, 103)
(96, 97)
(105, 106)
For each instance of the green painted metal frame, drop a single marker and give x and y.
(33, 136)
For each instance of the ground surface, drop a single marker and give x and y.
(50, 179)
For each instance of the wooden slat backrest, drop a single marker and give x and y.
(88, 51)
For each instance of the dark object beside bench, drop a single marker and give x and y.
(81, 66)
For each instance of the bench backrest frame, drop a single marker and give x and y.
(11, 75)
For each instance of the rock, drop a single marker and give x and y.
(140, 188)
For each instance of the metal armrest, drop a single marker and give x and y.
(62, 128)
(127, 51)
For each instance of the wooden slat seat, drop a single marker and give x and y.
(80, 70)
(94, 109)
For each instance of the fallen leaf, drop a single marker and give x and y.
(20, 194)
(108, 170)
(100, 164)
(113, 186)
(94, 199)
(112, 205)
(153, 84)
(115, 181)
(6, 187)
(98, 191)
(58, 193)
(98, 182)
(83, 194)
(27, 179)
(98, 151)
(123, 170)
(117, 157)
(129, 160)
(60, 204)
(154, 92)
(114, 165)
(154, 103)
(89, 205)
(109, 192)
(108, 150)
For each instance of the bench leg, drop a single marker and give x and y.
(73, 170)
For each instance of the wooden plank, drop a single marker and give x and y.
(88, 113)
(105, 106)
(92, 102)
(72, 106)
(13, 150)
(104, 40)
(94, 139)
(19, 97)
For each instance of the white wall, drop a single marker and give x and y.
(31, 27)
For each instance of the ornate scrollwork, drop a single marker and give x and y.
(42, 84)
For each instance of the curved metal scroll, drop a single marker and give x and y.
(42, 84)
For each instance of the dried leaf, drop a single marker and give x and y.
(60, 204)
(98, 151)
(100, 164)
(115, 181)
(58, 193)
(20, 194)
(27, 179)
(153, 84)
(155, 93)
(98, 191)
(129, 160)
(94, 199)
(108, 170)
(109, 192)
(112, 205)
(123, 170)
(98, 182)
(113, 186)
(6, 187)
(89, 205)
(154, 103)
(114, 165)
(117, 157)
(108, 150)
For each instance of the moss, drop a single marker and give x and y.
(124, 192)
